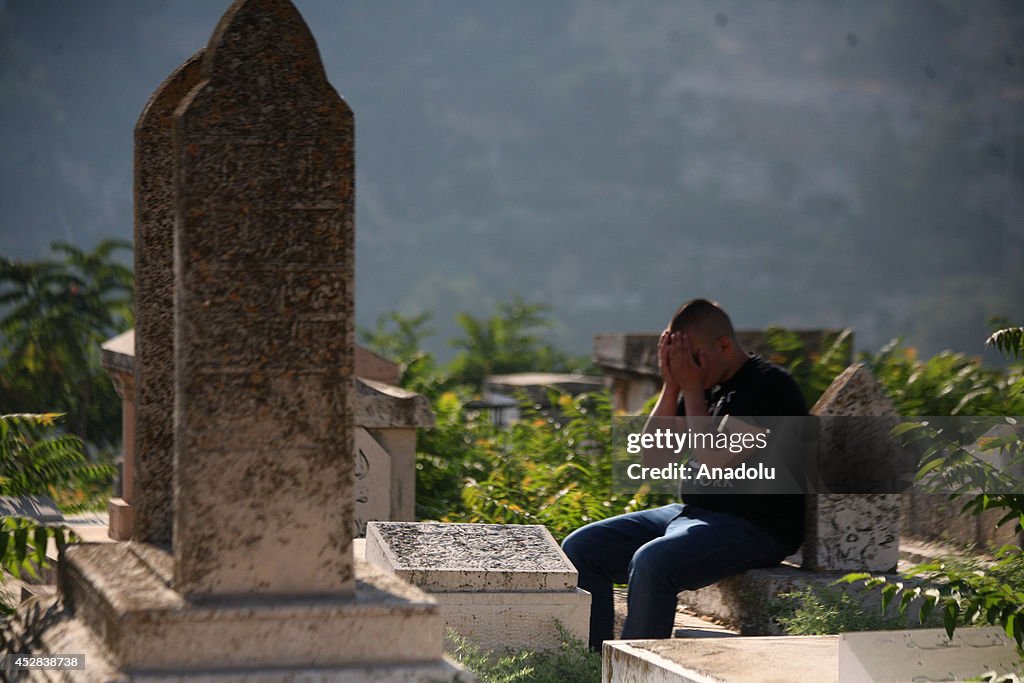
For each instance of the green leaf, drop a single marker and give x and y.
(40, 535)
(927, 605)
(58, 537)
(888, 593)
(949, 617)
(906, 427)
(852, 578)
(931, 465)
(20, 543)
(907, 598)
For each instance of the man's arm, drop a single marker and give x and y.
(686, 369)
(667, 406)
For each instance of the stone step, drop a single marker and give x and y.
(72, 635)
(148, 626)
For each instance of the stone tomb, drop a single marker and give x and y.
(499, 585)
(261, 584)
(869, 657)
(783, 659)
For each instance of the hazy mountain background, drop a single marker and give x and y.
(805, 162)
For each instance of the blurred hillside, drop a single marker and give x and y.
(807, 162)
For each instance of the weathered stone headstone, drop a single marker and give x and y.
(151, 495)
(499, 585)
(852, 532)
(261, 585)
(264, 343)
(925, 655)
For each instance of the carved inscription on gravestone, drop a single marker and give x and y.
(852, 532)
(264, 340)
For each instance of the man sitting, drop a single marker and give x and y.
(708, 537)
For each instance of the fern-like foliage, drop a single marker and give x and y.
(1008, 341)
(54, 314)
(34, 460)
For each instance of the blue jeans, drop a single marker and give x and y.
(659, 553)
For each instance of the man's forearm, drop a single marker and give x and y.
(693, 398)
(668, 402)
(667, 406)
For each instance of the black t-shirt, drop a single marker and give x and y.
(758, 388)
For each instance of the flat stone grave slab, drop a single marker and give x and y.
(499, 585)
(471, 557)
(767, 659)
(925, 655)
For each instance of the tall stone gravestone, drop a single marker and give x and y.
(151, 499)
(264, 345)
(261, 583)
(846, 532)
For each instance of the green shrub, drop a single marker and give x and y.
(946, 384)
(572, 662)
(553, 467)
(54, 314)
(36, 460)
(970, 592)
(817, 611)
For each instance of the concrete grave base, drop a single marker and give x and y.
(116, 604)
(495, 621)
(499, 585)
(67, 634)
(733, 660)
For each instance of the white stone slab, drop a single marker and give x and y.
(784, 659)
(470, 557)
(495, 621)
(924, 655)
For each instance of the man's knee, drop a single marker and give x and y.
(575, 546)
(654, 566)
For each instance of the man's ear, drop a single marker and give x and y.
(725, 345)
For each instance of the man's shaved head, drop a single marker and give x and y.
(704, 320)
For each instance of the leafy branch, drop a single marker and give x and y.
(967, 593)
(1008, 341)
